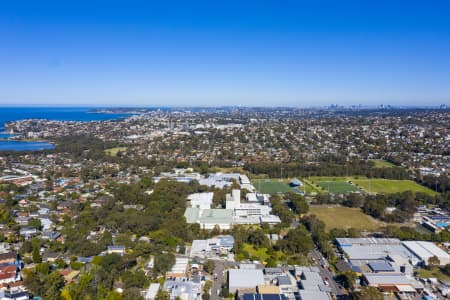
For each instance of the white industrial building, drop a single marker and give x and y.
(249, 213)
(257, 198)
(209, 218)
(235, 212)
(244, 279)
(425, 250)
(224, 180)
(221, 244)
(201, 200)
(374, 249)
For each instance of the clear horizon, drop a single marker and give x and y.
(206, 54)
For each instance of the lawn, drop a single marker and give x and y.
(277, 186)
(334, 184)
(311, 188)
(272, 186)
(114, 151)
(387, 186)
(344, 217)
(258, 254)
(337, 186)
(381, 163)
(376, 185)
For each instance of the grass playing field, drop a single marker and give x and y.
(387, 186)
(344, 217)
(375, 185)
(311, 188)
(277, 186)
(338, 186)
(272, 186)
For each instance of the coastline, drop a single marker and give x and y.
(18, 142)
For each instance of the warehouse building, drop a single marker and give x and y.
(365, 250)
(393, 283)
(244, 279)
(426, 250)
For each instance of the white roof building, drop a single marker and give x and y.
(244, 278)
(201, 200)
(425, 250)
(180, 267)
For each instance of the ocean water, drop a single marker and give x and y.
(8, 114)
(24, 146)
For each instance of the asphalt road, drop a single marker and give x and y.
(220, 267)
(325, 272)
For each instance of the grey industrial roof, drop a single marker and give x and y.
(245, 278)
(344, 242)
(381, 267)
(384, 279)
(208, 216)
(425, 250)
(313, 295)
(216, 216)
(198, 246)
(375, 251)
(284, 280)
(269, 271)
(226, 240)
(312, 276)
(310, 285)
(191, 214)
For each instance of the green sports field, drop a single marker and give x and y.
(374, 185)
(387, 186)
(336, 187)
(272, 186)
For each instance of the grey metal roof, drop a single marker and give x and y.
(226, 240)
(313, 295)
(245, 278)
(272, 271)
(284, 280)
(381, 267)
(376, 278)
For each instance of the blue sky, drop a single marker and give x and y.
(207, 53)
